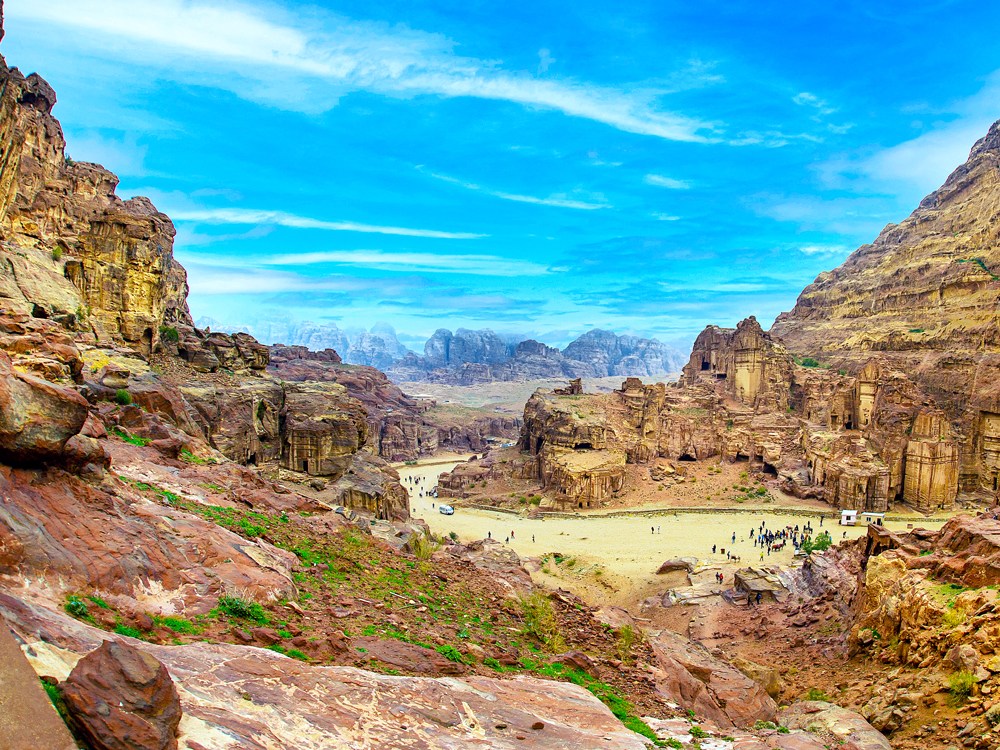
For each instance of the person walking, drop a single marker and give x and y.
(511, 533)
(713, 549)
(652, 530)
(532, 538)
(758, 598)
(734, 537)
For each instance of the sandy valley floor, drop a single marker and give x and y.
(627, 550)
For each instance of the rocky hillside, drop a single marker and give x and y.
(470, 357)
(923, 298)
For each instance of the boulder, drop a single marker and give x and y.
(768, 678)
(113, 376)
(678, 563)
(36, 417)
(846, 725)
(576, 660)
(963, 657)
(121, 698)
(407, 656)
(688, 674)
(81, 450)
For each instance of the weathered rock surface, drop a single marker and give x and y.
(257, 698)
(72, 250)
(28, 720)
(846, 725)
(119, 698)
(688, 674)
(923, 297)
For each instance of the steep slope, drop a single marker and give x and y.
(923, 294)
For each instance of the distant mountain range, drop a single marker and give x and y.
(466, 357)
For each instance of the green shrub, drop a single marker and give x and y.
(809, 362)
(99, 602)
(450, 652)
(76, 607)
(169, 334)
(123, 397)
(784, 730)
(130, 632)
(242, 608)
(492, 663)
(540, 621)
(815, 694)
(763, 724)
(535, 499)
(625, 639)
(57, 253)
(698, 733)
(822, 542)
(453, 536)
(952, 618)
(960, 686)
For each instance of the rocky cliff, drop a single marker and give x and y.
(923, 298)
(70, 249)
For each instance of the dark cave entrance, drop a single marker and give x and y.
(686, 457)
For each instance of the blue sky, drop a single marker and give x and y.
(542, 167)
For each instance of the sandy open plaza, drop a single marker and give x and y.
(628, 548)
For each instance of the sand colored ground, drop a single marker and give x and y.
(627, 550)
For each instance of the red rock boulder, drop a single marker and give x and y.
(121, 698)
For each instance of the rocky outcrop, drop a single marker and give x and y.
(118, 698)
(400, 427)
(323, 429)
(237, 694)
(71, 250)
(688, 674)
(922, 297)
(377, 348)
(847, 727)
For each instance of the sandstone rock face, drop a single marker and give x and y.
(847, 726)
(37, 417)
(71, 250)
(123, 543)
(923, 297)
(120, 698)
(340, 707)
(400, 427)
(323, 429)
(689, 675)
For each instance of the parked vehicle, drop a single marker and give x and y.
(446, 510)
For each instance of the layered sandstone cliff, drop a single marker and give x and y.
(71, 249)
(923, 298)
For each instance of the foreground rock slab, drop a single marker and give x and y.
(27, 719)
(237, 696)
(847, 726)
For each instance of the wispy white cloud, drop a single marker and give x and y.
(280, 218)
(554, 200)
(258, 42)
(811, 100)
(665, 217)
(487, 265)
(822, 249)
(667, 182)
(921, 164)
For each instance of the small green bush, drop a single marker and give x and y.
(952, 618)
(698, 733)
(453, 536)
(809, 362)
(57, 253)
(240, 607)
(76, 607)
(123, 397)
(169, 334)
(450, 652)
(625, 639)
(960, 686)
(130, 632)
(489, 661)
(540, 621)
(815, 694)
(763, 724)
